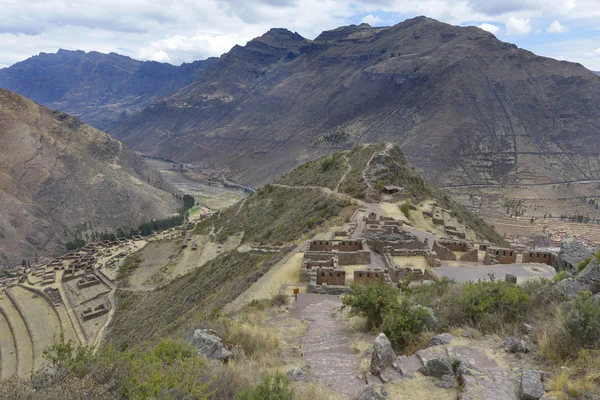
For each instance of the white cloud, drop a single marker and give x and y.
(597, 52)
(556, 27)
(186, 30)
(371, 19)
(490, 28)
(518, 26)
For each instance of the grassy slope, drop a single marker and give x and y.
(278, 215)
(391, 169)
(177, 308)
(272, 216)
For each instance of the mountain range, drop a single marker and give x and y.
(57, 174)
(99, 88)
(465, 107)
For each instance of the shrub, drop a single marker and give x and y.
(562, 275)
(372, 301)
(279, 300)
(405, 208)
(327, 163)
(479, 301)
(582, 320)
(130, 263)
(379, 186)
(581, 266)
(404, 324)
(66, 356)
(272, 387)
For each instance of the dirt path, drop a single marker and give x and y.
(337, 188)
(326, 347)
(326, 190)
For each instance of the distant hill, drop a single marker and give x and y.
(57, 173)
(596, 72)
(465, 107)
(99, 88)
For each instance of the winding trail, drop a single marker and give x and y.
(345, 157)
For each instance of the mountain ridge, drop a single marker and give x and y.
(484, 111)
(100, 88)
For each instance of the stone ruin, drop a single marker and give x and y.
(91, 313)
(445, 250)
(379, 225)
(539, 256)
(348, 252)
(499, 255)
(400, 240)
(372, 276)
(401, 272)
(309, 265)
(54, 295)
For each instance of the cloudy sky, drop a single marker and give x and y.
(177, 31)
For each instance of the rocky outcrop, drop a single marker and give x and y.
(210, 345)
(436, 362)
(531, 386)
(382, 355)
(442, 338)
(516, 345)
(372, 392)
(572, 252)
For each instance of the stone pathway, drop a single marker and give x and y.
(326, 346)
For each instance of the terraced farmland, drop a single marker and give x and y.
(21, 340)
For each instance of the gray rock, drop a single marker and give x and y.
(510, 278)
(442, 338)
(371, 392)
(436, 361)
(431, 322)
(528, 328)
(407, 366)
(572, 252)
(516, 345)
(437, 367)
(390, 375)
(447, 382)
(209, 344)
(531, 387)
(371, 379)
(383, 355)
(297, 375)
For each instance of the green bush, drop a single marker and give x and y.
(562, 275)
(272, 387)
(130, 263)
(405, 208)
(404, 324)
(582, 320)
(66, 356)
(581, 266)
(327, 163)
(379, 186)
(372, 301)
(479, 300)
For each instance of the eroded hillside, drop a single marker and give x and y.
(465, 107)
(57, 173)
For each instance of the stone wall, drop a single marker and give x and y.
(369, 276)
(347, 251)
(331, 276)
(543, 257)
(308, 265)
(443, 252)
(471, 255)
(497, 255)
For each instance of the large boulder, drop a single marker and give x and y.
(531, 386)
(441, 339)
(382, 355)
(371, 392)
(516, 345)
(436, 361)
(209, 344)
(572, 252)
